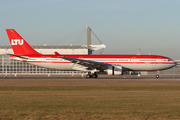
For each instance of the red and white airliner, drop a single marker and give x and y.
(112, 64)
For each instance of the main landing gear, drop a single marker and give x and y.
(94, 75)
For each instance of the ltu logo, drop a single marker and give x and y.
(17, 41)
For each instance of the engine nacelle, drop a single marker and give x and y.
(114, 70)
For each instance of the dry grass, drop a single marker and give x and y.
(67, 100)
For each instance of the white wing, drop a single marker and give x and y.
(87, 64)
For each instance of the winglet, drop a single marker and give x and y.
(57, 54)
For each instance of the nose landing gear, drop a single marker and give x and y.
(157, 76)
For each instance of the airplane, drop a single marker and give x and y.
(93, 64)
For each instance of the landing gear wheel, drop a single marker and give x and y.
(95, 76)
(88, 76)
(157, 76)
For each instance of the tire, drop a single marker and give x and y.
(157, 76)
(95, 76)
(88, 76)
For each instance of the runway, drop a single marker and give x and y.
(100, 78)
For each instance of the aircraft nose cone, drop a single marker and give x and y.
(174, 64)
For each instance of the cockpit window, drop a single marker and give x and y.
(170, 60)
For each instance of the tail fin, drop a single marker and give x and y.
(19, 45)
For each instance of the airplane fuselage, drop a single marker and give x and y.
(128, 62)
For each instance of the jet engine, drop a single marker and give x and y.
(114, 70)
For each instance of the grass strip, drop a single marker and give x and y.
(89, 88)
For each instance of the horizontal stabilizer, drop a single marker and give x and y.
(57, 54)
(25, 58)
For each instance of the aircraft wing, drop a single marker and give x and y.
(87, 63)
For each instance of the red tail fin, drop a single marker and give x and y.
(19, 45)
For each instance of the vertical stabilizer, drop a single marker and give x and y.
(19, 45)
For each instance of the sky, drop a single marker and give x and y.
(122, 25)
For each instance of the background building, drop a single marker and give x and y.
(14, 67)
